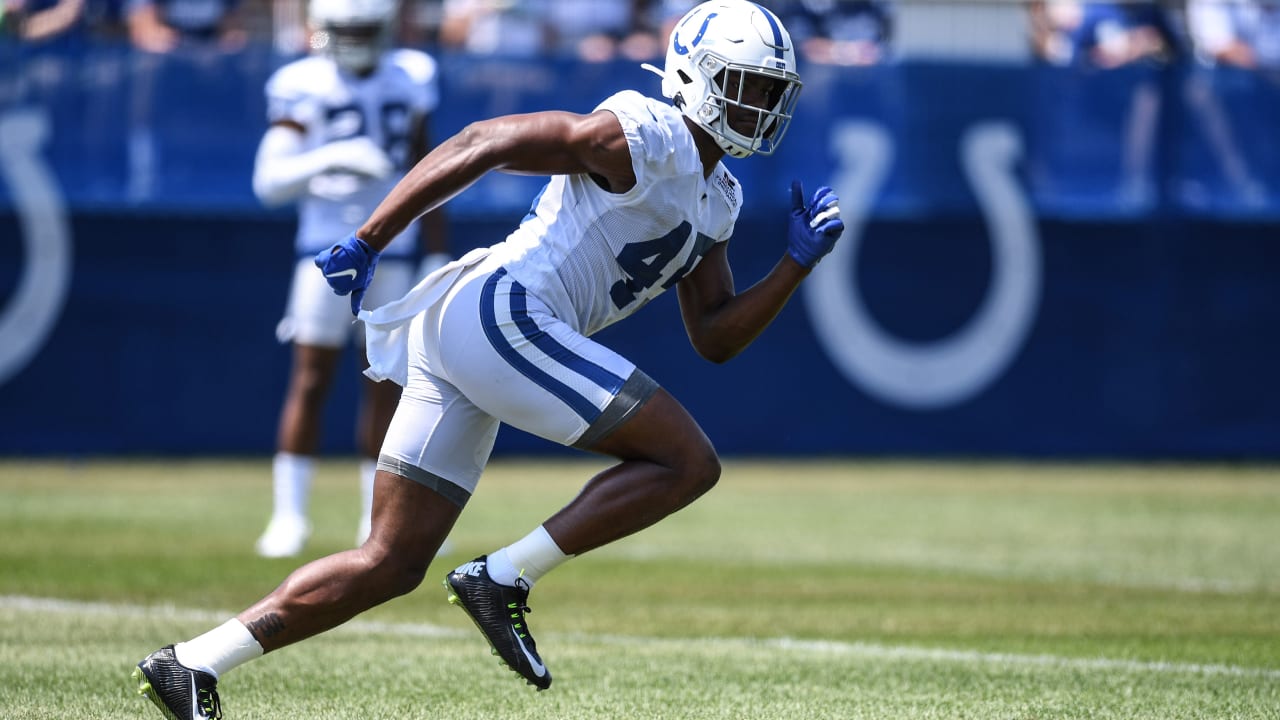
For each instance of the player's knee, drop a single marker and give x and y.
(393, 573)
(700, 471)
(709, 470)
(407, 578)
(310, 385)
(368, 443)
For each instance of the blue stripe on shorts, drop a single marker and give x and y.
(547, 344)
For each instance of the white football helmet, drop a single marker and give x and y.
(721, 57)
(353, 32)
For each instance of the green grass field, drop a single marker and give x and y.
(793, 590)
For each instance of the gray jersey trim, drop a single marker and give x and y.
(449, 490)
(635, 392)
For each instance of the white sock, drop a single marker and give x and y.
(221, 649)
(291, 484)
(367, 470)
(530, 557)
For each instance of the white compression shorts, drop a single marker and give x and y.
(490, 353)
(318, 316)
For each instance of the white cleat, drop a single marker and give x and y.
(284, 537)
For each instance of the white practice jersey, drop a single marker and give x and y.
(334, 105)
(596, 257)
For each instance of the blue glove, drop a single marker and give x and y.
(348, 268)
(813, 229)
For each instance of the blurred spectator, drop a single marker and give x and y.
(418, 25)
(590, 30)
(838, 32)
(36, 21)
(174, 37)
(1112, 34)
(1116, 34)
(665, 14)
(1052, 23)
(160, 26)
(515, 28)
(44, 21)
(600, 30)
(1241, 33)
(1109, 35)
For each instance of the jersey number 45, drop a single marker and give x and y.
(645, 262)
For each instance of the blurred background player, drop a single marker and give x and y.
(345, 123)
(1242, 33)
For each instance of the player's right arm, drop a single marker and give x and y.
(544, 143)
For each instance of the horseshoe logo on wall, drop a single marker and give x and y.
(941, 373)
(30, 315)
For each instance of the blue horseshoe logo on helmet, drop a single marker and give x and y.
(675, 37)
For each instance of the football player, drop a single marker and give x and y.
(346, 122)
(638, 201)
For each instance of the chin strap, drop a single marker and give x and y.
(668, 87)
(655, 70)
(676, 98)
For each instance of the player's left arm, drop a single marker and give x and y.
(721, 322)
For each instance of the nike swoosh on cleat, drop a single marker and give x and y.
(345, 273)
(538, 668)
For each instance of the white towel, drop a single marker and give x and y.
(386, 328)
